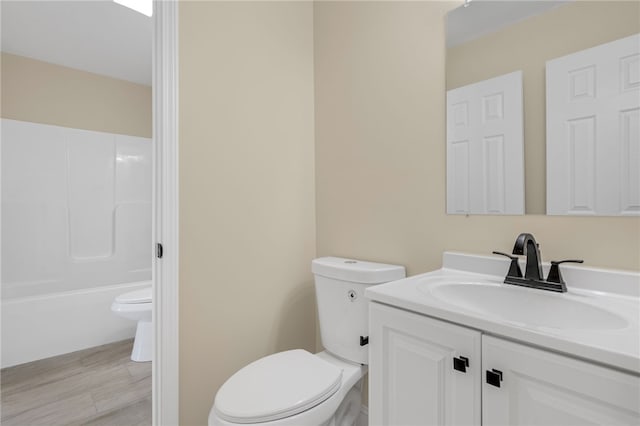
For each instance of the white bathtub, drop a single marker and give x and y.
(38, 327)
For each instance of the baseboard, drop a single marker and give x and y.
(363, 418)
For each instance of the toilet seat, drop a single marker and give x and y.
(277, 386)
(136, 296)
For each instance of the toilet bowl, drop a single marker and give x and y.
(297, 388)
(136, 305)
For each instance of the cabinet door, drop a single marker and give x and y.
(544, 388)
(412, 380)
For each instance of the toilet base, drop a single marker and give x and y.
(349, 410)
(142, 346)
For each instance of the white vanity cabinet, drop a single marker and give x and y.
(412, 380)
(539, 387)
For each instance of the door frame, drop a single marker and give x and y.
(165, 369)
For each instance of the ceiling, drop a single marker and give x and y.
(97, 36)
(482, 17)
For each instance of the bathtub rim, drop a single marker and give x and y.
(78, 292)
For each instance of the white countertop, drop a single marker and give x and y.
(611, 290)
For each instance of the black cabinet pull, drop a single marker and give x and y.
(494, 377)
(364, 340)
(460, 363)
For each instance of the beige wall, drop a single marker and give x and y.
(527, 46)
(247, 202)
(380, 151)
(41, 92)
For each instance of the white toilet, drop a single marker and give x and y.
(299, 388)
(136, 305)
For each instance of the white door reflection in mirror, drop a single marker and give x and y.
(485, 154)
(593, 131)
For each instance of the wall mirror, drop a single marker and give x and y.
(489, 39)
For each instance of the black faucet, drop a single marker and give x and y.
(526, 246)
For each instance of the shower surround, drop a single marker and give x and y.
(76, 232)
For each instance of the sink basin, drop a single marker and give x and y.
(529, 307)
(598, 319)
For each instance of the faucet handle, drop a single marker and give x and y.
(554, 273)
(514, 268)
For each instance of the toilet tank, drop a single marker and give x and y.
(342, 307)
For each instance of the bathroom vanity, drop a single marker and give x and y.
(458, 347)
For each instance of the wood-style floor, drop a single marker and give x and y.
(97, 386)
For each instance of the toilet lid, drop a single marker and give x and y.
(136, 296)
(277, 386)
